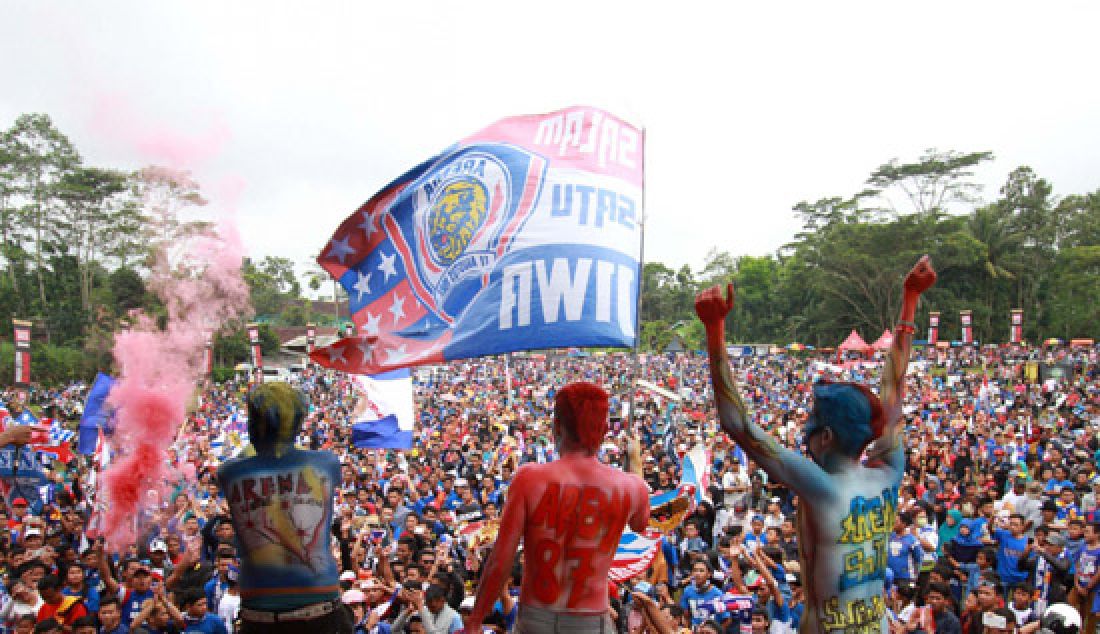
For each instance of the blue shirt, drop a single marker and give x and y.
(1055, 483)
(90, 597)
(904, 556)
(214, 590)
(701, 605)
(1009, 551)
(131, 604)
(209, 624)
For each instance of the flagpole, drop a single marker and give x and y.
(638, 305)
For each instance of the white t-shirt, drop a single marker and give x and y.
(731, 480)
(228, 608)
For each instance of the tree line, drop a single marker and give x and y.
(1026, 249)
(77, 242)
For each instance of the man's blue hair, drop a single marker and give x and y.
(852, 411)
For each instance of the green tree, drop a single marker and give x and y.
(931, 183)
(273, 284)
(1001, 242)
(40, 158)
(127, 290)
(1027, 203)
(91, 215)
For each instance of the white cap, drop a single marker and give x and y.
(462, 482)
(353, 596)
(467, 604)
(347, 575)
(31, 532)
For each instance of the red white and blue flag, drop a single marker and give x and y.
(634, 555)
(524, 235)
(695, 472)
(384, 414)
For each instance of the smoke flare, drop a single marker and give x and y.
(196, 274)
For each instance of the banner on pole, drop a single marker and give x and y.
(967, 329)
(933, 328)
(524, 235)
(208, 356)
(1016, 332)
(311, 338)
(22, 353)
(257, 353)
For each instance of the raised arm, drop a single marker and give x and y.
(498, 567)
(782, 464)
(892, 390)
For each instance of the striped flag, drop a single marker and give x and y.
(696, 472)
(634, 555)
(384, 414)
(103, 453)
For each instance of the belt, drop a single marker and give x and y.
(304, 613)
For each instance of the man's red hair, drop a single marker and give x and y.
(581, 410)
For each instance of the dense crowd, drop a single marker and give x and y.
(995, 517)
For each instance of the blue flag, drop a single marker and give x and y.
(96, 414)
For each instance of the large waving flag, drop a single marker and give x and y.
(383, 418)
(524, 235)
(96, 414)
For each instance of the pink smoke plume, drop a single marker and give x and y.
(196, 273)
(117, 119)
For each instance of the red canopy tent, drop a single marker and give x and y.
(885, 340)
(854, 343)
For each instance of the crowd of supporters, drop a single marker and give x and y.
(996, 514)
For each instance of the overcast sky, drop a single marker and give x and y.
(291, 115)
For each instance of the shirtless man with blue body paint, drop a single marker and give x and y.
(848, 505)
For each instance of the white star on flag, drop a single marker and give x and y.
(363, 284)
(388, 265)
(335, 352)
(365, 349)
(398, 308)
(368, 226)
(371, 327)
(340, 248)
(396, 354)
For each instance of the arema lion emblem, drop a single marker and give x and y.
(463, 209)
(457, 214)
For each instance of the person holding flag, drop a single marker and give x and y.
(847, 506)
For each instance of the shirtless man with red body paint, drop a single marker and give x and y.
(570, 514)
(846, 506)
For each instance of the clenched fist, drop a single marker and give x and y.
(921, 277)
(712, 307)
